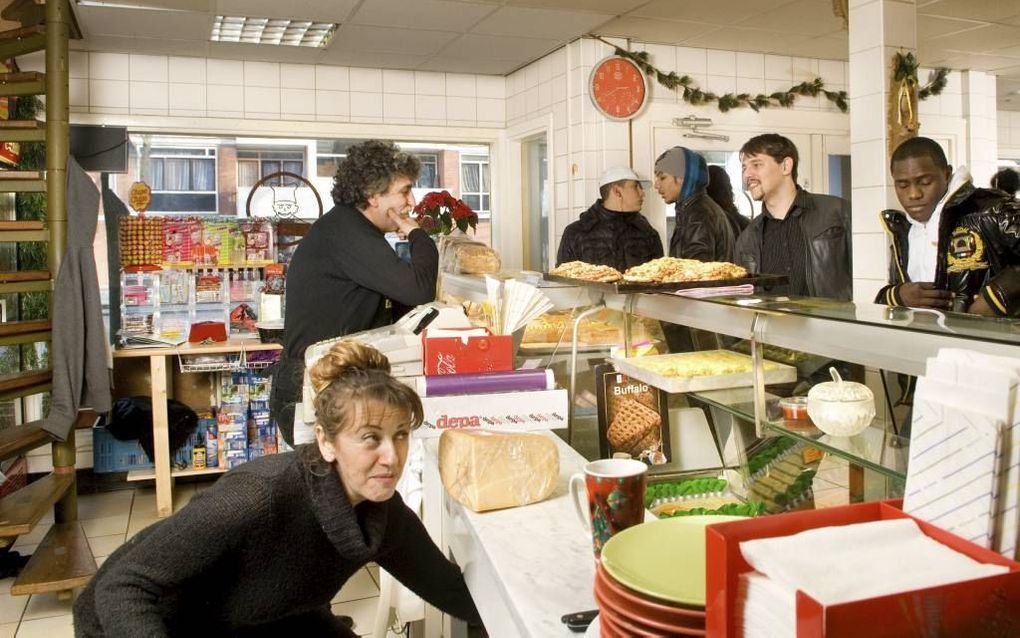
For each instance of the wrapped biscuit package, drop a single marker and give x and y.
(485, 470)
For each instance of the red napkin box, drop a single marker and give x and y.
(207, 331)
(460, 355)
(988, 607)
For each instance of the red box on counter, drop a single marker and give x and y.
(460, 355)
(988, 607)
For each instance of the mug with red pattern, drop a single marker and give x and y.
(615, 495)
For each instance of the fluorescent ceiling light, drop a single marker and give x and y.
(276, 31)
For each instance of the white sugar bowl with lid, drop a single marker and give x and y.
(841, 408)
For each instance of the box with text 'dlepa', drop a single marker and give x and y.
(508, 411)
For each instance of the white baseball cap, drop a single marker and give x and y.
(617, 173)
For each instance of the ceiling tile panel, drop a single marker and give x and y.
(489, 47)
(320, 10)
(722, 12)
(986, 10)
(611, 7)
(658, 31)
(144, 23)
(831, 48)
(414, 42)
(152, 46)
(744, 39)
(539, 23)
(936, 26)
(983, 39)
(807, 17)
(440, 15)
(369, 59)
(465, 65)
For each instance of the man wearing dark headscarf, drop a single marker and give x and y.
(702, 230)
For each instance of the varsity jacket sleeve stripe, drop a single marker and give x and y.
(1003, 292)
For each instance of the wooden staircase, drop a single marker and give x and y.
(63, 560)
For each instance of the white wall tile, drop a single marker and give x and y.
(491, 110)
(261, 74)
(491, 86)
(721, 84)
(398, 107)
(862, 31)
(430, 107)
(545, 98)
(78, 92)
(297, 102)
(531, 104)
(463, 85)
(366, 105)
(691, 61)
(332, 78)
(224, 98)
(429, 83)
(398, 82)
(750, 65)
(754, 86)
(721, 62)
(530, 76)
(148, 68)
(77, 64)
(187, 70)
(149, 96)
(297, 76)
(334, 103)
(461, 108)
(868, 173)
(864, 126)
(224, 72)
(832, 71)
(804, 69)
(109, 66)
(189, 97)
(870, 255)
(366, 81)
(779, 67)
(109, 93)
(261, 99)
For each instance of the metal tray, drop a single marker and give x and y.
(634, 287)
(781, 373)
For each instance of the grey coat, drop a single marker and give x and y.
(81, 377)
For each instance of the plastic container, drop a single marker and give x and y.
(270, 331)
(113, 455)
(794, 408)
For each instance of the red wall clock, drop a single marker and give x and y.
(618, 88)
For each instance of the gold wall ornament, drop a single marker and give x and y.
(841, 9)
(901, 116)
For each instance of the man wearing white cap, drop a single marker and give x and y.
(612, 232)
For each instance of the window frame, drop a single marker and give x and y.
(484, 195)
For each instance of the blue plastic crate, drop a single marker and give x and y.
(112, 455)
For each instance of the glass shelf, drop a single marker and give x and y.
(875, 448)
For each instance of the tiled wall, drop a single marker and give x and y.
(1008, 123)
(128, 84)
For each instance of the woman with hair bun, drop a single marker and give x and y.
(265, 549)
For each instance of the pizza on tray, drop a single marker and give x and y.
(674, 270)
(587, 272)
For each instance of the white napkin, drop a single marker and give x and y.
(721, 291)
(851, 562)
(767, 609)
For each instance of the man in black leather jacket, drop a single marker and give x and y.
(612, 232)
(702, 229)
(974, 265)
(799, 234)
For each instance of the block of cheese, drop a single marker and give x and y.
(493, 470)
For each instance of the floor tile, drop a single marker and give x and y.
(105, 545)
(45, 606)
(5, 585)
(357, 587)
(105, 526)
(100, 560)
(11, 607)
(373, 569)
(7, 630)
(91, 506)
(145, 500)
(362, 611)
(137, 524)
(55, 627)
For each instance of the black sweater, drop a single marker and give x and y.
(268, 545)
(344, 276)
(609, 238)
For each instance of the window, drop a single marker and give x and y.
(253, 165)
(183, 180)
(428, 177)
(474, 183)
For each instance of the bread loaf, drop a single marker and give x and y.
(476, 259)
(494, 470)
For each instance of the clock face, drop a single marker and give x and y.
(618, 88)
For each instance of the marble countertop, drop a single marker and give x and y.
(526, 566)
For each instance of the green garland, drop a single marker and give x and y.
(692, 94)
(905, 67)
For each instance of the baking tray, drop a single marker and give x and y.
(781, 373)
(634, 287)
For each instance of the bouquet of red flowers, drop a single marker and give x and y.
(439, 212)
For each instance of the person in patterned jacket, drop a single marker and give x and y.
(613, 232)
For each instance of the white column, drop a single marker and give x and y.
(980, 113)
(878, 29)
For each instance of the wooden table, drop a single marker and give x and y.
(161, 390)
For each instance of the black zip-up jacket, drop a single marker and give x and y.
(978, 248)
(608, 238)
(702, 230)
(825, 223)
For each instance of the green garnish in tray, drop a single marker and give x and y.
(751, 508)
(689, 487)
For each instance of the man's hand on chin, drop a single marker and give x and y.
(404, 223)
